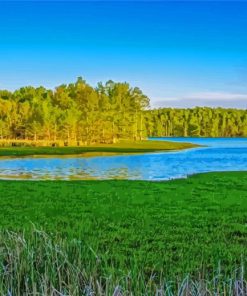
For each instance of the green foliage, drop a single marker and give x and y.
(75, 113)
(196, 122)
(78, 114)
(132, 230)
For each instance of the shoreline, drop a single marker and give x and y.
(97, 150)
(76, 178)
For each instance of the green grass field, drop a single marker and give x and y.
(121, 147)
(134, 233)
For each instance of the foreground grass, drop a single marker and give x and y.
(144, 236)
(121, 147)
(34, 264)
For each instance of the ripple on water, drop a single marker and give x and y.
(221, 154)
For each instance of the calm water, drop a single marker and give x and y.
(221, 155)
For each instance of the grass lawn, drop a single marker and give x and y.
(113, 230)
(121, 147)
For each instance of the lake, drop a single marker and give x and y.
(220, 154)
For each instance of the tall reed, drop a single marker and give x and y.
(35, 263)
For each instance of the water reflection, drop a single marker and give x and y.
(219, 155)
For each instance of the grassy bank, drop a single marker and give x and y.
(121, 147)
(139, 235)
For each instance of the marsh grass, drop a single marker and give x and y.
(182, 237)
(19, 148)
(34, 263)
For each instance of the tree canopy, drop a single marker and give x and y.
(196, 122)
(79, 114)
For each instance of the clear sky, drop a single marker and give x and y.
(180, 54)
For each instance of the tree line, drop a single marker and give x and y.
(197, 122)
(79, 114)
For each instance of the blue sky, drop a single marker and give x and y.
(181, 54)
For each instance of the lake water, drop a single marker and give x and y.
(221, 154)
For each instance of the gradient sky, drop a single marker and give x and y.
(181, 54)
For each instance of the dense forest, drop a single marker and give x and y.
(197, 122)
(79, 114)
